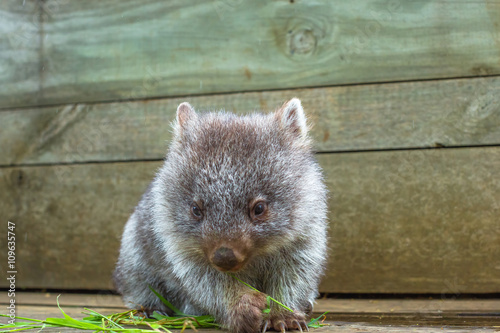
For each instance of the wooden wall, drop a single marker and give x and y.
(404, 98)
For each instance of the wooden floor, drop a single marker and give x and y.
(346, 315)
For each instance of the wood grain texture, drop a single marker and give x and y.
(42, 312)
(69, 220)
(414, 221)
(388, 322)
(345, 315)
(399, 115)
(119, 50)
(421, 221)
(332, 305)
(20, 47)
(102, 299)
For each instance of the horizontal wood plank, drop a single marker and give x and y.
(42, 312)
(441, 305)
(345, 315)
(400, 115)
(119, 50)
(102, 299)
(20, 47)
(346, 323)
(445, 304)
(418, 315)
(421, 221)
(414, 221)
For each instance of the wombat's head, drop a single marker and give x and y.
(233, 188)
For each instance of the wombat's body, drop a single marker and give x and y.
(235, 194)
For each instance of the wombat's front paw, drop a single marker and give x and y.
(246, 315)
(286, 321)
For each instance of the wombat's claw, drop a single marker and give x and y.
(298, 325)
(148, 313)
(283, 322)
(264, 329)
(162, 313)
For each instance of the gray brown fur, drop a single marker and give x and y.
(225, 163)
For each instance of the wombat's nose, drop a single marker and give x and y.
(225, 259)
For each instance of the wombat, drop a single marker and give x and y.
(237, 194)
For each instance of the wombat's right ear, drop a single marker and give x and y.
(291, 117)
(185, 115)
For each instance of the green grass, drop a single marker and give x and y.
(132, 321)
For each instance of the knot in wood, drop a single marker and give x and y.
(302, 41)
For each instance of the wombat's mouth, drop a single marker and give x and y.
(233, 269)
(227, 259)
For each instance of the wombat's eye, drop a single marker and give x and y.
(258, 210)
(196, 211)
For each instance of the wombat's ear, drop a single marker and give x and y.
(291, 117)
(185, 114)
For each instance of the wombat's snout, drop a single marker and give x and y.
(227, 259)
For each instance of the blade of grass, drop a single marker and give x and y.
(176, 311)
(97, 314)
(268, 305)
(314, 322)
(23, 318)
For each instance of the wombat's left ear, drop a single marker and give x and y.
(185, 115)
(291, 116)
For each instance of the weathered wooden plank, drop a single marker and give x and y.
(74, 235)
(353, 323)
(445, 303)
(332, 305)
(421, 221)
(345, 315)
(52, 311)
(102, 299)
(337, 322)
(400, 115)
(19, 52)
(115, 50)
(414, 221)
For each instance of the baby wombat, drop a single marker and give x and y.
(242, 195)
